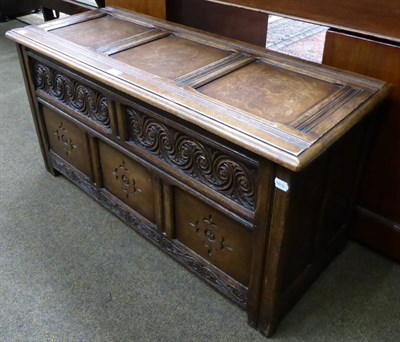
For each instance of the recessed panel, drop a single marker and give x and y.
(96, 33)
(269, 92)
(170, 57)
(129, 181)
(67, 140)
(213, 235)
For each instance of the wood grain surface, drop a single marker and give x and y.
(238, 23)
(155, 8)
(238, 162)
(378, 218)
(379, 18)
(291, 114)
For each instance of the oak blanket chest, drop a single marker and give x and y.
(238, 162)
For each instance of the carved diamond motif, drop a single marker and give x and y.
(127, 182)
(210, 235)
(63, 137)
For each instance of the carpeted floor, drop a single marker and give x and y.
(296, 38)
(71, 271)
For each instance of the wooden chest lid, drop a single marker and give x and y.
(281, 108)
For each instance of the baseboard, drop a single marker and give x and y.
(376, 232)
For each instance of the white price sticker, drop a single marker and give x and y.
(281, 185)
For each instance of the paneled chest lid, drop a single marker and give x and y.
(278, 107)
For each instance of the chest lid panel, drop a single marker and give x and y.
(276, 106)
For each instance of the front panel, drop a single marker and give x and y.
(67, 140)
(128, 180)
(126, 155)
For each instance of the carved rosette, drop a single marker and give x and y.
(210, 235)
(217, 170)
(64, 139)
(75, 95)
(126, 181)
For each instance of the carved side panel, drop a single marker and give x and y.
(77, 96)
(213, 235)
(67, 140)
(230, 288)
(213, 168)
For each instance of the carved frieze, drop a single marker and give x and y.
(83, 99)
(213, 168)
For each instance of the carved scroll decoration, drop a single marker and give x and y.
(230, 288)
(213, 168)
(73, 94)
